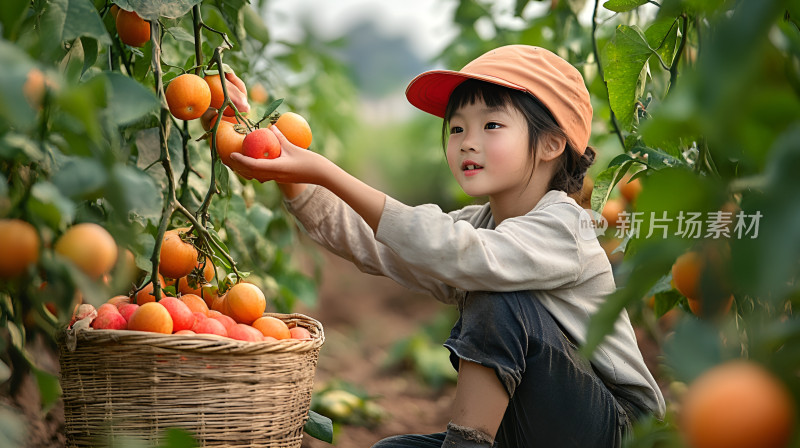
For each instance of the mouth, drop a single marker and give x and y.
(470, 167)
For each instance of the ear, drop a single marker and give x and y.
(551, 146)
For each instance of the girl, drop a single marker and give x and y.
(524, 276)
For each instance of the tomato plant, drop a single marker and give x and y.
(86, 137)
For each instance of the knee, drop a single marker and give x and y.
(400, 441)
(385, 443)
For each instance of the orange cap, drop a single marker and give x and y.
(550, 79)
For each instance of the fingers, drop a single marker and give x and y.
(243, 165)
(282, 138)
(241, 162)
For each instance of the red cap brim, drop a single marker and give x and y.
(430, 91)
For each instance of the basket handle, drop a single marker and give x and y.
(71, 334)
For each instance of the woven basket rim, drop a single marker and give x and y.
(69, 338)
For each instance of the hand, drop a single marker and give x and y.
(294, 165)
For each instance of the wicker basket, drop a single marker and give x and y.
(226, 392)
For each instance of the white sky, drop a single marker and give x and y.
(426, 23)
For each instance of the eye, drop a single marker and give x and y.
(456, 129)
(493, 125)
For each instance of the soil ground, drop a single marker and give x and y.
(363, 316)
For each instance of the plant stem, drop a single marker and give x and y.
(163, 132)
(223, 35)
(187, 161)
(206, 236)
(673, 70)
(596, 51)
(197, 25)
(202, 211)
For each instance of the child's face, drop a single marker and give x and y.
(488, 150)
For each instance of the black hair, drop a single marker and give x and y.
(571, 166)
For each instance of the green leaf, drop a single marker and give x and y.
(624, 58)
(48, 204)
(14, 107)
(148, 145)
(145, 242)
(623, 5)
(17, 335)
(656, 158)
(232, 15)
(13, 145)
(666, 301)
(143, 61)
(180, 34)
(641, 272)
(605, 181)
(662, 285)
(619, 160)
(297, 285)
(49, 388)
(271, 108)
(319, 427)
(260, 217)
(3, 191)
(178, 438)
(82, 102)
(768, 265)
(662, 36)
(519, 7)
(219, 259)
(82, 19)
(134, 193)
(80, 178)
(675, 191)
(254, 24)
(129, 100)
(694, 347)
(90, 52)
(152, 10)
(431, 360)
(11, 16)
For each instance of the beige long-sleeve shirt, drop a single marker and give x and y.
(445, 254)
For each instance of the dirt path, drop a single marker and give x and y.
(363, 315)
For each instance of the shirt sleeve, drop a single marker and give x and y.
(531, 252)
(336, 226)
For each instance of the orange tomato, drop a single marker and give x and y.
(132, 29)
(245, 303)
(19, 246)
(295, 128)
(229, 140)
(188, 96)
(178, 257)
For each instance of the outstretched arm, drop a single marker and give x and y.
(297, 166)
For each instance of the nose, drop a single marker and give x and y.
(469, 142)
